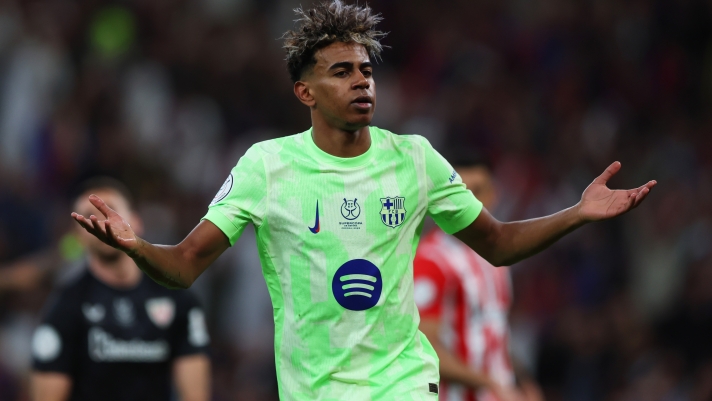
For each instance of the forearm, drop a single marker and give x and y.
(167, 265)
(504, 244)
(521, 239)
(507, 243)
(171, 266)
(178, 266)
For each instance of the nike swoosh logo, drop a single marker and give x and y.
(316, 227)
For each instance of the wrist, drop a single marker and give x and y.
(135, 252)
(578, 218)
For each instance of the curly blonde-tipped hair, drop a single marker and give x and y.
(326, 23)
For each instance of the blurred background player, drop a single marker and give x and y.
(463, 302)
(114, 334)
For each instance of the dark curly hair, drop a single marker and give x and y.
(326, 23)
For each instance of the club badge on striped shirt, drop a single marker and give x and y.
(161, 311)
(393, 211)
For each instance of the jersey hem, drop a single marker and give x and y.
(463, 219)
(223, 223)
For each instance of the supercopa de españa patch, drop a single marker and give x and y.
(350, 211)
(224, 190)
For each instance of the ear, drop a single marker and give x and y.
(303, 93)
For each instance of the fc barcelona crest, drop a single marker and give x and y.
(393, 211)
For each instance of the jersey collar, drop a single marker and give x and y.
(345, 162)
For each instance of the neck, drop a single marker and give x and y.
(340, 142)
(119, 272)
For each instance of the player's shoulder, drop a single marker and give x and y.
(296, 143)
(400, 141)
(412, 147)
(265, 153)
(277, 145)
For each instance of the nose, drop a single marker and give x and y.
(361, 82)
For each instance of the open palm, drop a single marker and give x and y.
(114, 230)
(598, 202)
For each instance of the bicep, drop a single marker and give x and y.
(50, 386)
(451, 205)
(482, 234)
(204, 245)
(191, 375)
(243, 198)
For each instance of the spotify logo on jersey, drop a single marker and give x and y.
(357, 285)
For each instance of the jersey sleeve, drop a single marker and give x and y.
(450, 203)
(429, 289)
(242, 198)
(191, 335)
(55, 340)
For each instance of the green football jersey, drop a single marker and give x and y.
(337, 238)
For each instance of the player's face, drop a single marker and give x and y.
(341, 87)
(479, 181)
(115, 201)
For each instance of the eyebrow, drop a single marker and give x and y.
(349, 65)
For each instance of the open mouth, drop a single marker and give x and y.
(363, 102)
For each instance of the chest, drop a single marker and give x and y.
(384, 199)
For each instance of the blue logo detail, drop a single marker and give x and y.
(357, 285)
(316, 227)
(393, 211)
(350, 209)
(453, 176)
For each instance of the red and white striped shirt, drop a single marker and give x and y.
(471, 298)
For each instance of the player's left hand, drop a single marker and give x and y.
(598, 202)
(114, 231)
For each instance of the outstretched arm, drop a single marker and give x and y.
(174, 266)
(507, 243)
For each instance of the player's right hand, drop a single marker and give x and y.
(114, 230)
(504, 393)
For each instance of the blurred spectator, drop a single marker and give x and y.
(112, 333)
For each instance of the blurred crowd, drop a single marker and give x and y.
(168, 94)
